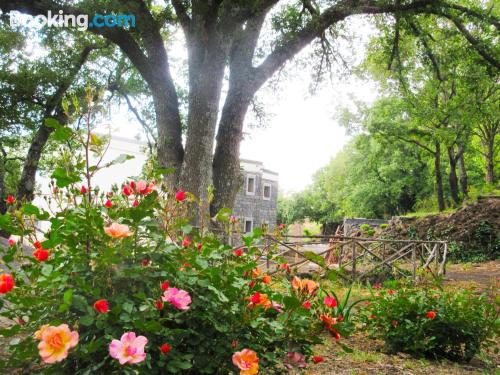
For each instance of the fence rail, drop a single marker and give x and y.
(356, 257)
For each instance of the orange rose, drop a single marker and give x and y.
(259, 299)
(116, 230)
(55, 342)
(256, 272)
(247, 361)
(304, 286)
(266, 279)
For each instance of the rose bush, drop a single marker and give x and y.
(432, 322)
(122, 283)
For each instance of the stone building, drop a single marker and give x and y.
(257, 200)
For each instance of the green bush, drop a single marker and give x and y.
(432, 322)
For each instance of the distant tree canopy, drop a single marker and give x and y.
(225, 37)
(429, 139)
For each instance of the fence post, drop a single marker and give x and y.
(436, 258)
(341, 253)
(353, 259)
(268, 251)
(414, 261)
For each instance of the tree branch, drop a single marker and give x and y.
(181, 11)
(475, 43)
(318, 25)
(428, 51)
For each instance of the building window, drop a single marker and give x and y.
(248, 225)
(266, 191)
(250, 185)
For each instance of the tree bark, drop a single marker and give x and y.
(452, 177)
(464, 179)
(207, 62)
(439, 177)
(226, 163)
(490, 160)
(3, 203)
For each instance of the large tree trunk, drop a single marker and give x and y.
(26, 188)
(439, 177)
(226, 164)
(206, 74)
(242, 87)
(452, 177)
(3, 203)
(490, 161)
(170, 152)
(464, 180)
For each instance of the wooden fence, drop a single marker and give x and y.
(355, 257)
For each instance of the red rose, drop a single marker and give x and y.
(6, 283)
(186, 242)
(145, 262)
(318, 359)
(132, 184)
(238, 252)
(101, 306)
(83, 189)
(11, 242)
(377, 286)
(199, 246)
(330, 301)
(159, 304)
(306, 305)
(255, 298)
(180, 196)
(164, 285)
(431, 314)
(127, 190)
(37, 245)
(165, 348)
(251, 284)
(108, 204)
(41, 254)
(135, 203)
(10, 199)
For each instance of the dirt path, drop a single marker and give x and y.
(480, 275)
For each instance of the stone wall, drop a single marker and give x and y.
(255, 207)
(352, 225)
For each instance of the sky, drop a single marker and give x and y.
(301, 133)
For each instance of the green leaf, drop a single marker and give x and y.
(30, 209)
(68, 296)
(313, 257)
(47, 269)
(186, 229)
(80, 303)
(128, 307)
(223, 215)
(64, 178)
(87, 320)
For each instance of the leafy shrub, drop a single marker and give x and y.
(367, 229)
(121, 283)
(432, 322)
